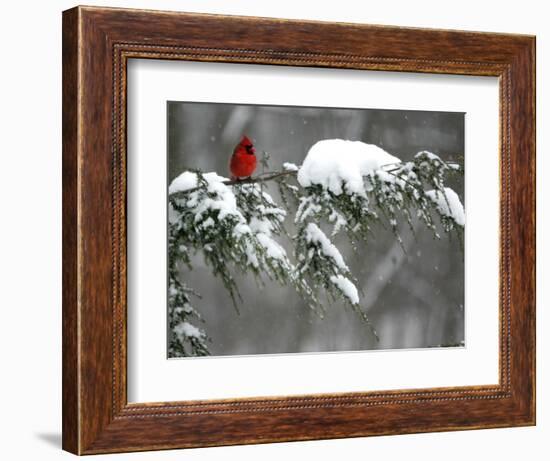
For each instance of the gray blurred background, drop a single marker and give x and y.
(414, 299)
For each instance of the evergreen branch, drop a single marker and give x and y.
(273, 175)
(261, 178)
(237, 229)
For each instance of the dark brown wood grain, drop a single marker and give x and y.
(70, 385)
(97, 43)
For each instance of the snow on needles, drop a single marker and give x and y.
(347, 288)
(186, 329)
(222, 200)
(316, 235)
(188, 180)
(221, 204)
(337, 163)
(448, 204)
(287, 166)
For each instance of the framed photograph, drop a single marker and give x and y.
(282, 230)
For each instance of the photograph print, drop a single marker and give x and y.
(313, 229)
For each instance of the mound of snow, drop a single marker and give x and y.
(337, 163)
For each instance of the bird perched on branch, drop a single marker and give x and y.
(243, 161)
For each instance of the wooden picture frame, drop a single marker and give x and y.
(97, 43)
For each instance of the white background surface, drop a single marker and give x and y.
(30, 236)
(152, 378)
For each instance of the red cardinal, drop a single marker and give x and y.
(243, 161)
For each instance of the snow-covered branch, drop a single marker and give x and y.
(341, 187)
(261, 178)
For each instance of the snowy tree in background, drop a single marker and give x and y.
(341, 187)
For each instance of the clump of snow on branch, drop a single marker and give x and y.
(448, 204)
(218, 197)
(315, 237)
(186, 329)
(340, 166)
(342, 187)
(347, 288)
(287, 166)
